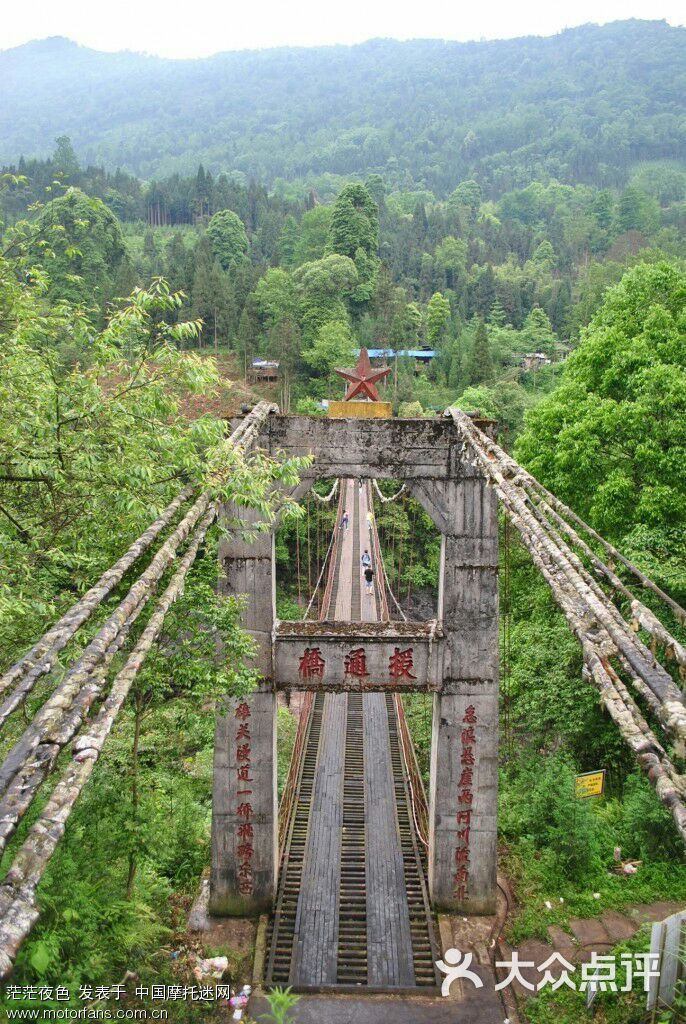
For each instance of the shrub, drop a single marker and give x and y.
(541, 807)
(646, 830)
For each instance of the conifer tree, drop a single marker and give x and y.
(481, 366)
(287, 242)
(484, 291)
(456, 376)
(247, 337)
(151, 255)
(497, 316)
(176, 264)
(211, 297)
(64, 159)
(538, 330)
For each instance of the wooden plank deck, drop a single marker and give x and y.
(389, 940)
(316, 924)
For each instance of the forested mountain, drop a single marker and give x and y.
(582, 106)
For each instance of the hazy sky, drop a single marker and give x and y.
(201, 27)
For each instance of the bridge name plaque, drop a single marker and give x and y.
(371, 656)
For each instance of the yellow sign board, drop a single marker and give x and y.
(361, 410)
(590, 784)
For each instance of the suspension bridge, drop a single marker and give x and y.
(356, 858)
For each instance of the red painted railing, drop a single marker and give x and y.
(290, 789)
(420, 806)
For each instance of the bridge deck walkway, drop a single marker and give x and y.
(361, 914)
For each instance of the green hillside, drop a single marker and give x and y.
(582, 106)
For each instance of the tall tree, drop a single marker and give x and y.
(323, 287)
(211, 297)
(354, 232)
(481, 365)
(467, 197)
(538, 331)
(64, 159)
(437, 319)
(248, 334)
(333, 347)
(406, 326)
(637, 211)
(276, 299)
(82, 248)
(228, 238)
(313, 233)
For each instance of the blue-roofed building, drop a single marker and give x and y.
(423, 355)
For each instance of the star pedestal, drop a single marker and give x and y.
(361, 410)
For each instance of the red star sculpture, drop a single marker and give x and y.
(363, 378)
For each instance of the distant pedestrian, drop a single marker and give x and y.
(366, 559)
(344, 520)
(370, 520)
(369, 579)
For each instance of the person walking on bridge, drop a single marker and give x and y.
(370, 520)
(345, 519)
(366, 559)
(369, 579)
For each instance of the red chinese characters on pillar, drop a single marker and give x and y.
(356, 663)
(465, 802)
(311, 663)
(245, 850)
(401, 663)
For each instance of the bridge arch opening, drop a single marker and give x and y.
(360, 652)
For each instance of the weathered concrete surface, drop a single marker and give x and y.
(475, 1006)
(589, 932)
(244, 796)
(247, 561)
(618, 927)
(382, 656)
(244, 806)
(236, 933)
(464, 750)
(385, 449)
